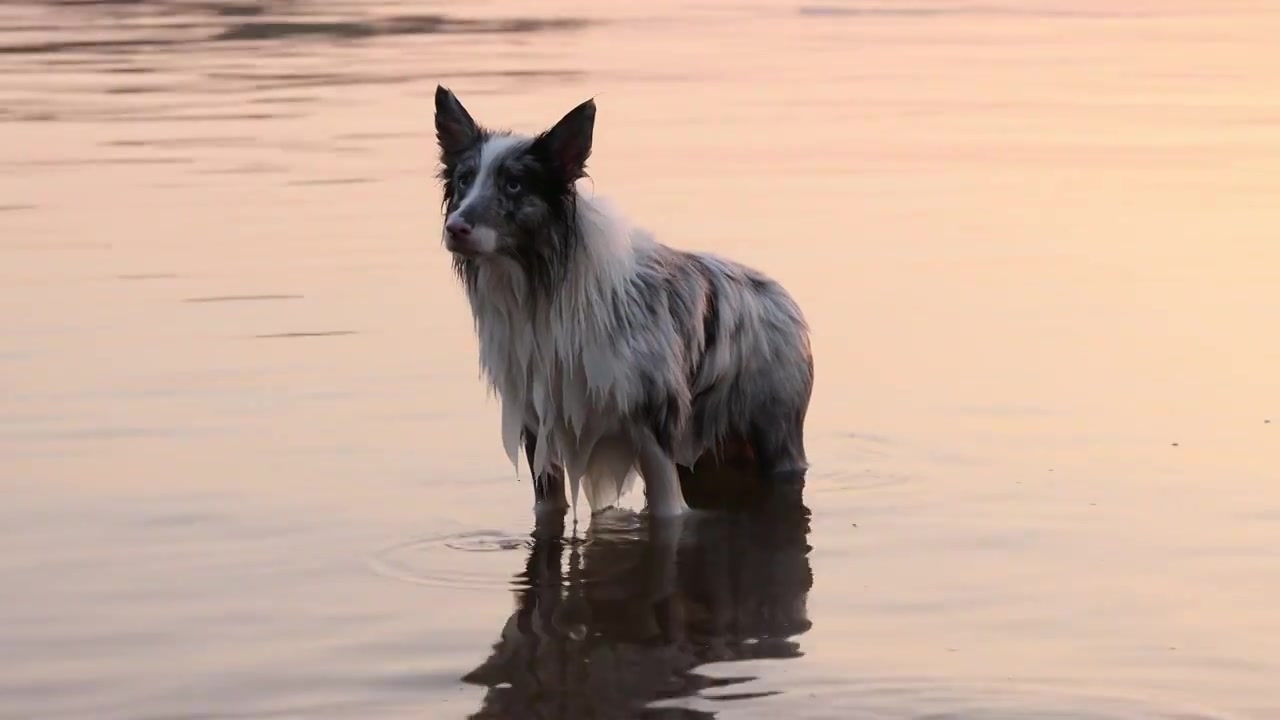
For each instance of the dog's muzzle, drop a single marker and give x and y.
(459, 238)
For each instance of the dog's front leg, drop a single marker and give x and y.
(548, 487)
(661, 481)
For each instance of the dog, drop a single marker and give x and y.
(612, 354)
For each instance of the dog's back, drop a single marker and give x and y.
(754, 380)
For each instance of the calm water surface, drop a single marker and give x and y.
(249, 471)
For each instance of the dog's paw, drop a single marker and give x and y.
(676, 508)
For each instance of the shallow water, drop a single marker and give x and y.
(250, 471)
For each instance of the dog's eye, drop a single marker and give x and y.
(463, 181)
(513, 186)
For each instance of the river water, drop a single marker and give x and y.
(249, 470)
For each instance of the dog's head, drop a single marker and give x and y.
(506, 194)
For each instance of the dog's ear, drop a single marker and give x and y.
(567, 145)
(455, 130)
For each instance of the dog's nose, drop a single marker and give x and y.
(458, 229)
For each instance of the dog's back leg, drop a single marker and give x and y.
(548, 487)
(778, 442)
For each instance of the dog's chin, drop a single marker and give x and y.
(463, 250)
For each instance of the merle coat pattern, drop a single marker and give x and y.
(613, 355)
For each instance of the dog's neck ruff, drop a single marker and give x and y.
(554, 360)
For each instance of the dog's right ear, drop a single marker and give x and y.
(455, 130)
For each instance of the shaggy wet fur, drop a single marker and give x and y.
(612, 354)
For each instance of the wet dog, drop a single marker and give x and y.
(612, 354)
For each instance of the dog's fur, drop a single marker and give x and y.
(611, 353)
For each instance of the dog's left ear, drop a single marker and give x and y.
(567, 145)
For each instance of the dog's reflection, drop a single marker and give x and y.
(619, 618)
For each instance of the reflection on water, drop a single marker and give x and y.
(623, 617)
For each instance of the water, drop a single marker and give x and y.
(249, 470)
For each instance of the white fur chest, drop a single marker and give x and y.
(557, 376)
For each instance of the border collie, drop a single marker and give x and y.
(613, 355)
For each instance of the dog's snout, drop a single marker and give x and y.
(458, 228)
(463, 238)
